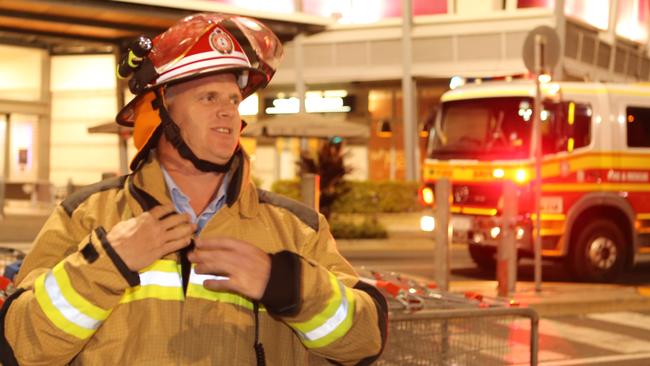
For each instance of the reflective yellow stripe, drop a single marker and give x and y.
(54, 315)
(595, 187)
(163, 265)
(152, 292)
(161, 280)
(333, 322)
(200, 292)
(76, 300)
(339, 331)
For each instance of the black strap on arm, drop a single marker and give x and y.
(7, 357)
(382, 317)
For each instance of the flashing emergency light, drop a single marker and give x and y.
(498, 173)
(521, 176)
(456, 81)
(495, 231)
(427, 195)
(520, 233)
(427, 223)
(544, 78)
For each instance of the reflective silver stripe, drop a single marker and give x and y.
(165, 279)
(198, 279)
(332, 323)
(67, 310)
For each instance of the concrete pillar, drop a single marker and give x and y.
(408, 102)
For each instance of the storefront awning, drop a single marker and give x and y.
(111, 127)
(90, 26)
(308, 125)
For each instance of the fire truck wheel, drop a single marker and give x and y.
(599, 253)
(484, 257)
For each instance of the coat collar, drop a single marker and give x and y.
(146, 187)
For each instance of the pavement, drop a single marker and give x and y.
(19, 227)
(554, 298)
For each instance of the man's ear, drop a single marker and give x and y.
(243, 125)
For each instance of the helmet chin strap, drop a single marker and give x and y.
(173, 135)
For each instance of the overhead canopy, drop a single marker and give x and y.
(109, 127)
(92, 26)
(308, 125)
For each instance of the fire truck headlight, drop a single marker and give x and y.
(427, 223)
(498, 173)
(427, 195)
(495, 231)
(521, 176)
(520, 233)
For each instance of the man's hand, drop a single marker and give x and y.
(247, 266)
(141, 240)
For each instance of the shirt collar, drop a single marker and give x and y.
(182, 202)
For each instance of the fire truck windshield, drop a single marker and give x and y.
(491, 128)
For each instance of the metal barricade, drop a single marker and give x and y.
(480, 336)
(428, 326)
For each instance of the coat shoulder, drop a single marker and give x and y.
(73, 201)
(304, 213)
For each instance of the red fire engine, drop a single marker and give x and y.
(595, 204)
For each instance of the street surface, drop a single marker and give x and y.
(420, 263)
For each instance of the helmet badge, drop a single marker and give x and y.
(221, 42)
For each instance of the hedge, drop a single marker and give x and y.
(369, 228)
(364, 196)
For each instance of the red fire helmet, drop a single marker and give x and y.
(200, 45)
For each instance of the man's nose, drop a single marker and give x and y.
(226, 110)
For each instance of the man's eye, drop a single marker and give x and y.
(235, 101)
(208, 98)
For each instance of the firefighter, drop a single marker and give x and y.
(184, 261)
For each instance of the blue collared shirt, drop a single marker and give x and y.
(182, 202)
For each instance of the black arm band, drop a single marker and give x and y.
(131, 277)
(282, 293)
(382, 318)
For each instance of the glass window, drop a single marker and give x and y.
(638, 127)
(369, 11)
(500, 128)
(631, 20)
(536, 4)
(593, 12)
(275, 6)
(20, 73)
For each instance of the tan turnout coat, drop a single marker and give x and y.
(79, 309)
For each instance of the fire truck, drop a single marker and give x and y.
(595, 171)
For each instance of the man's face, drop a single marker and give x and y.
(205, 110)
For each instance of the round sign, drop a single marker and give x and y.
(546, 38)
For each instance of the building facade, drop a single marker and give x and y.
(58, 61)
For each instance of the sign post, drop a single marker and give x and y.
(541, 53)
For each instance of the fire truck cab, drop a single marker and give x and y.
(595, 205)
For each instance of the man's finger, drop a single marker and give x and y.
(219, 244)
(175, 245)
(170, 221)
(159, 212)
(179, 232)
(219, 285)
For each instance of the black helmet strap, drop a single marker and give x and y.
(173, 134)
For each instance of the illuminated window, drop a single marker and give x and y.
(638, 129)
(20, 73)
(593, 12)
(369, 11)
(275, 6)
(631, 20)
(536, 4)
